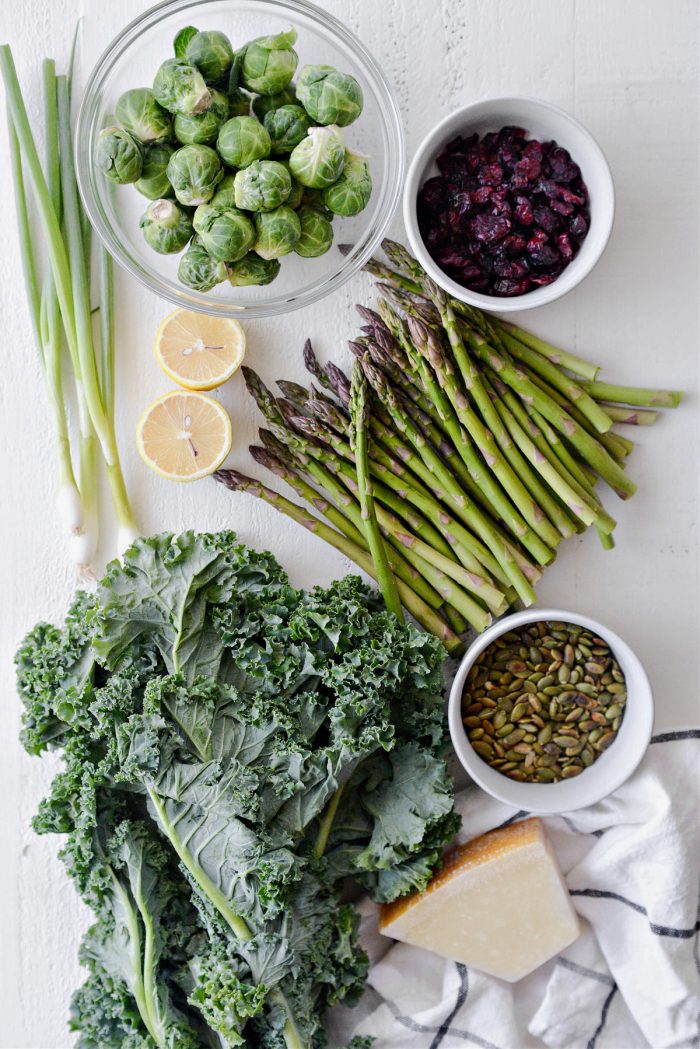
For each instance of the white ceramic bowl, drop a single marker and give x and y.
(607, 773)
(542, 121)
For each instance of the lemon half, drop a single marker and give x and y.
(197, 351)
(184, 435)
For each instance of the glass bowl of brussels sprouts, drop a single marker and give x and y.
(239, 156)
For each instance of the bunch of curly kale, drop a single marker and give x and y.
(234, 748)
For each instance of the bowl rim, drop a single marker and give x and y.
(392, 180)
(586, 789)
(531, 299)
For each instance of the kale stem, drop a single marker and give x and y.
(326, 824)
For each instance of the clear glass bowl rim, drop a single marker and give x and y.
(391, 185)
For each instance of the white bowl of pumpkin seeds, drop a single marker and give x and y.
(550, 711)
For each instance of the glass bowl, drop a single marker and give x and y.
(132, 59)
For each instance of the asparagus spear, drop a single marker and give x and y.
(440, 572)
(283, 466)
(375, 542)
(510, 467)
(630, 416)
(589, 448)
(559, 380)
(508, 509)
(574, 364)
(492, 548)
(472, 580)
(545, 445)
(618, 446)
(421, 611)
(433, 580)
(634, 395)
(445, 486)
(587, 512)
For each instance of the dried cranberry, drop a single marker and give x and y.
(491, 174)
(515, 244)
(554, 191)
(523, 211)
(578, 227)
(541, 279)
(432, 195)
(538, 238)
(566, 248)
(506, 214)
(545, 218)
(482, 195)
(489, 227)
(544, 257)
(528, 168)
(511, 268)
(508, 287)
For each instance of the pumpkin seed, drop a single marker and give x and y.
(543, 702)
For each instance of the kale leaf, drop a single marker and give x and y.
(233, 749)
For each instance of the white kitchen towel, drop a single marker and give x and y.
(631, 980)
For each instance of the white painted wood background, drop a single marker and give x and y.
(628, 70)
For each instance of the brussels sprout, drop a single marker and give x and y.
(318, 160)
(226, 233)
(351, 193)
(182, 39)
(296, 193)
(242, 140)
(141, 115)
(166, 227)
(269, 63)
(329, 97)
(262, 186)
(238, 103)
(251, 269)
(225, 196)
(118, 155)
(154, 176)
(211, 52)
(314, 197)
(202, 128)
(286, 126)
(264, 104)
(194, 173)
(277, 232)
(180, 87)
(198, 270)
(316, 233)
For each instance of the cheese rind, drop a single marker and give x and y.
(499, 904)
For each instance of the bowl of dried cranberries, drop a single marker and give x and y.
(509, 203)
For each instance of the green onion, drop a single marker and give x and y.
(63, 304)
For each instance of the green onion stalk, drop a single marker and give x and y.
(83, 541)
(46, 325)
(66, 305)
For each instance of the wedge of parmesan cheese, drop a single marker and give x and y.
(499, 904)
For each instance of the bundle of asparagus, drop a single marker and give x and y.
(464, 450)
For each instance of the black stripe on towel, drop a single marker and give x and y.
(603, 1018)
(461, 999)
(582, 970)
(671, 737)
(658, 930)
(512, 819)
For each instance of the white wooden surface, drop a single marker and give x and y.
(628, 70)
